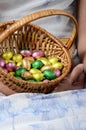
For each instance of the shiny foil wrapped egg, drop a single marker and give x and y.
(7, 55)
(53, 60)
(19, 71)
(10, 66)
(57, 72)
(46, 67)
(34, 71)
(2, 63)
(58, 65)
(45, 61)
(8, 60)
(38, 76)
(38, 54)
(30, 80)
(26, 64)
(30, 59)
(17, 58)
(12, 73)
(48, 74)
(37, 64)
(26, 53)
(26, 75)
(19, 64)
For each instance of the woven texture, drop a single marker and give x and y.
(18, 35)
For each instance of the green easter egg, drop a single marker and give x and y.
(48, 74)
(20, 71)
(18, 77)
(38, 80)
(31, 80)
(37, 64)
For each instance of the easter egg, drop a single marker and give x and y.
(10, 66)
(57, 72)
(58, 65)
(37, 64)
(45, 80)
(53, 60)
(12, 73)
(46, 67)
(19, 63)
(8, 60)
(37, 54)
(4, 55)
(38, 76)
(19, 71)
(17, 58)
(18, 77)
(29, 59)
(31, 80)
(7, 55)
(33, 71)
(45, 61)
(26, 75)
(26, 64)
(25, 53)
(2, 63)
(48, 74)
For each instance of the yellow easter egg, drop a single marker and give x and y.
(17, 58)
(7, 55)
(38, 76)
(53, 60)
(58, 65)
(7, 61)
(45, 61)
(12, 73)
(33, 71)
(19, 63)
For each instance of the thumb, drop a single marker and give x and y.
(76, 72)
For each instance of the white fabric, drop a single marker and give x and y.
(57, 111)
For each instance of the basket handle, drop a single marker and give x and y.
(38, 15)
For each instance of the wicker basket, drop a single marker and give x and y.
(17, 35)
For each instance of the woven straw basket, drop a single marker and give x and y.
(17, 35)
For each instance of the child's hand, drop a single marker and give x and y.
(5, 90)
(76, 73)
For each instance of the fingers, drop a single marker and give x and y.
(5, 90)
(76, 72)
(84, 62)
